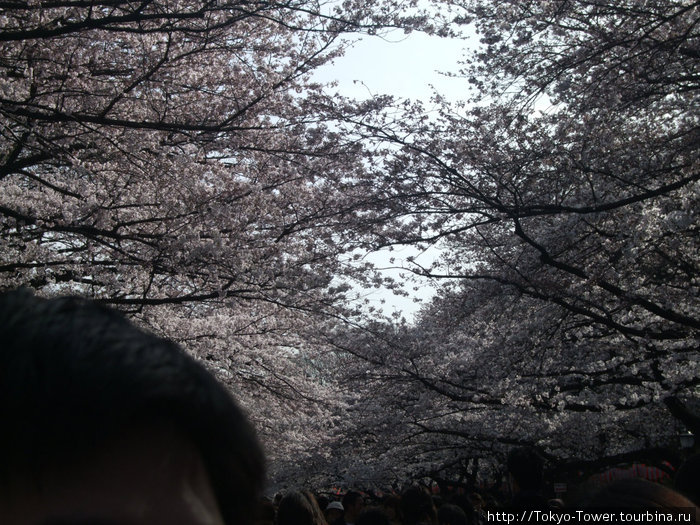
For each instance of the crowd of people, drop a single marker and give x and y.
(106, 424)
(417, 506)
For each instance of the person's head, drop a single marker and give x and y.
(103, 422)
(526, 469)
(322, 501)
(556, 503)
(391, 505)
(636, 493)
(266, 514)
(299, 508)
(476, 501)
(334, 511)
(449, 514)
(353, 503)
(373, 516)
(687, 480)
(417, 507)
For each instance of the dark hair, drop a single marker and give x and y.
(350, 498)
(636, 493)
(74, 373)
(417, 506)
(526, 467)
(449, 514)
(265, 514)
(392, 503)
(299, 508)
(373, 516)
(687, 480)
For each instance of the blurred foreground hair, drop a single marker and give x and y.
(74, 373)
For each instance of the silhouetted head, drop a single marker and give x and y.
(299, 508)
(353, 503)
(636, 493)
(92, 405)
(373, 516)
(687, 480)
(449, 514)
(526, 468)
(417, 506)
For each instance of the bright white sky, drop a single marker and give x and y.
(401, 65)
(405, 66)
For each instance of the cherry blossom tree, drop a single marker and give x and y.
(563, 196)
(487, 368)
(173, 159)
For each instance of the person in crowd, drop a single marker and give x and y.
(637, 493)
(687, 480)
(449, 514)
(106, 423)
(417, 507)
(477, 504)
(322, 501)
(391, 505)
(373, 516)
(266, 512)
(556, 504)
(276, 500)
(334, 511)
(299, 508)
(477, 501)
(318, 503)
(464, 502)
(353, 503)
(526, 475)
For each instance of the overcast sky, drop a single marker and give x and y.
(399, 64)
(405, 66)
